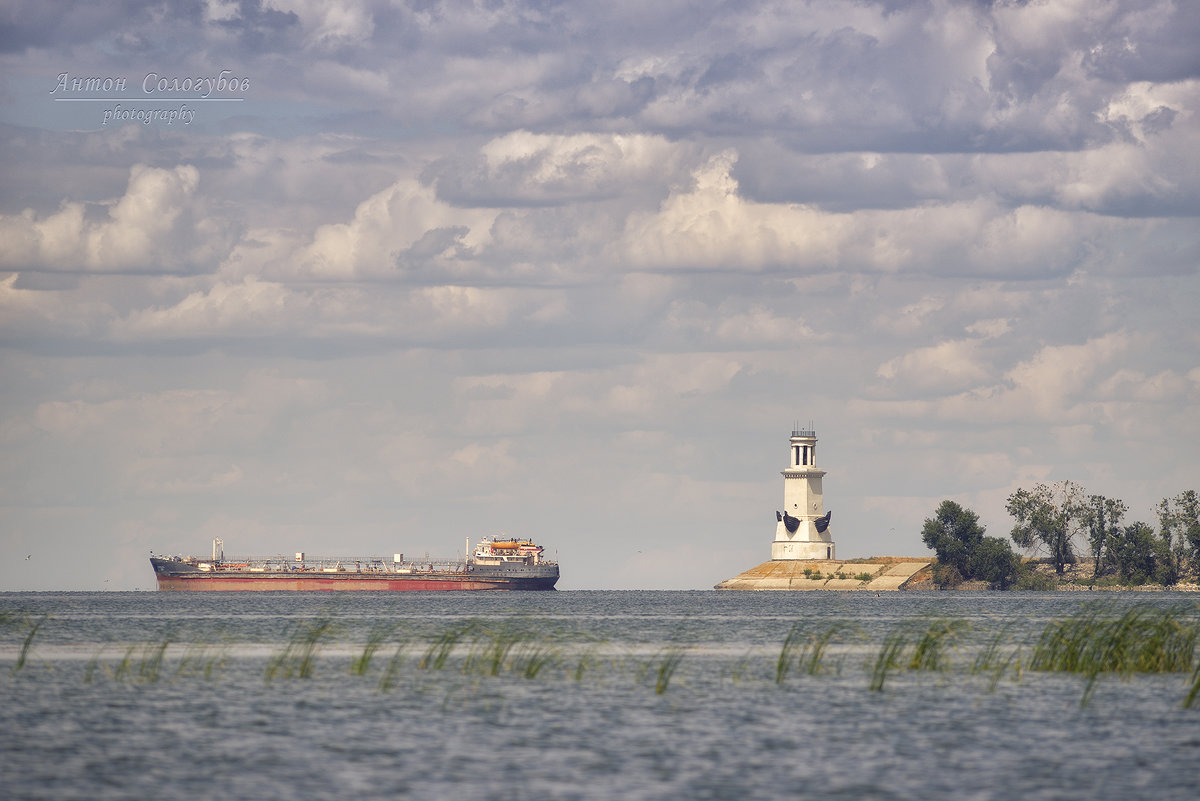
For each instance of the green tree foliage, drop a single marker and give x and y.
(963, 552)
(1137, 554)
(1053, 516)
(1049, 515)
(953, 533)
(1179, 522)
(1133, 553)
(1168, 563)
(996, 563)
(1102, 519)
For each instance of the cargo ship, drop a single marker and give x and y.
(497, 563)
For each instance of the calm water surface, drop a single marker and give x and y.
(566, 695)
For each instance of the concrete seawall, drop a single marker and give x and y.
(881, 573)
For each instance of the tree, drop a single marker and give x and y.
(1102, 517)
(1133, 553)
(1049, 515)
(1167, 560)
(996, 563)
(953, 533)
(1179, 523)
(956, 535)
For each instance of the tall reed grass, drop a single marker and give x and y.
(583, 664)
(1098, 641)
(1144, 639)
(991, 662)
(490, 650)
(668, 664)
(375, 639)
(804, 651)
(930, 650)
(532, 657)
(23, 655)
(889, 658)
(201, 659)
(906, 649)
(439, 650)
(142, 663)
(1189, 701)
(391, 672)
(299, 656)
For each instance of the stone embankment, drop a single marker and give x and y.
(1078, 578)
(877, 573)
(1074, 578)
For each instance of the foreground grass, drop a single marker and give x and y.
(1142, 640)
(299, 657)
(1095, 643)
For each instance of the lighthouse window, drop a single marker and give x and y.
(796, 455)
(805, 455)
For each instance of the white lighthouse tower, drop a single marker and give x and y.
(802, 555)
(802, 529)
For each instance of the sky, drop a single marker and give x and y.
(379, 277)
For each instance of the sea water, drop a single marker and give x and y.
(571, 695)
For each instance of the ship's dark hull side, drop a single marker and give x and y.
(173, 575)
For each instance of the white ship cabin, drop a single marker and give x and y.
(504, 550)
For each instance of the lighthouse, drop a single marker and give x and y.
(802, 528)
(802, 554)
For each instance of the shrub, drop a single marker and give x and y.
(954, 533)
(946, 577)
(1031, 580)
(995, 563)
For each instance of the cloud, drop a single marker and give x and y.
(1057, 378)
(650, 389)
(941, 369)
(119, 445)
(1167, 386)
(260, 310)
(1093, 384)
(710, 226)
(30, 315)
(248, 308)
(1147, 44)
(735, 324)
(158, 225)
(182, 421)
(403, 228)
(523, 168)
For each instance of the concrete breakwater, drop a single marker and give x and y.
(876, 574)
